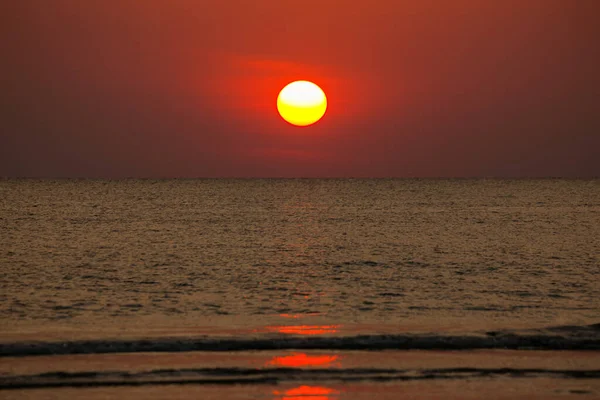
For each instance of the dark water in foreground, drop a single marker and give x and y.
(226, 266)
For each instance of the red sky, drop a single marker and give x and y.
(187, 88)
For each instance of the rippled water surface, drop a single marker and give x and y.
(348, 251)
(312, 289)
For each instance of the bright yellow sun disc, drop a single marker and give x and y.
(301, 103)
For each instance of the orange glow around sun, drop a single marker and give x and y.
(302, 103)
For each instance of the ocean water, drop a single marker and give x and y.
(234, 267)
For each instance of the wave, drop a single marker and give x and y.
(556, 338)
(271, 376)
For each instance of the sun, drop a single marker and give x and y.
(301, 103)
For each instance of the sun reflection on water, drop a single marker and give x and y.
(304, 330)
(299, 360)
(307, 393)
(297, 316)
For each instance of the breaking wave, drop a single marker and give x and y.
(230, 376)
(557, 338)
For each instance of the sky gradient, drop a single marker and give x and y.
(187, 88)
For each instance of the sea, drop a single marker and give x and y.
(300, 289)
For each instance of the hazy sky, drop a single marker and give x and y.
(187, 88)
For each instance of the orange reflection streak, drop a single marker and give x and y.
(304, 329)
(297, 360)
(307, 393)
(296, 316)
